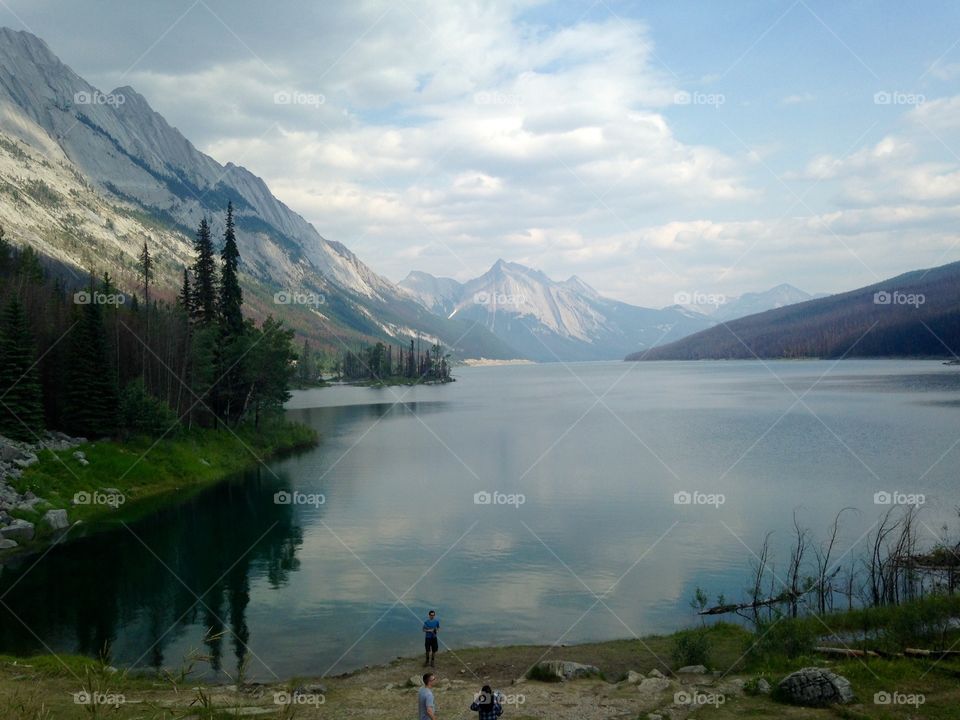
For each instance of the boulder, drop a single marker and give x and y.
(56, 519)
(653, 686)
(634, 677)
(18, 530)
(26, 460)
(692, 670)
(415, 681)
(655, 673)
(29, 503)
(763, 687)
(815, 687)
(563, 670)
(7, 544)
(8, 452)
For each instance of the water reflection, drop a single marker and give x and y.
(135, 589)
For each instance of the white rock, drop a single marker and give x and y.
(56, 519)
(18, 530)
(653, 686)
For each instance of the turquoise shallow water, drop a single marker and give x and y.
(583, 537)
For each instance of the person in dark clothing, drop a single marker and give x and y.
(486, 704)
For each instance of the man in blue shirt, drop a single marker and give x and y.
(431, 626)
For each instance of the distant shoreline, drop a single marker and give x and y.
(485, 362)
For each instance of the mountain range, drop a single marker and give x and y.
(911, 315)
(87, 176)
(547, 320)
(722, 308)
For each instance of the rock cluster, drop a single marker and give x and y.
(564, 670)
(15, 457)
(815, 687)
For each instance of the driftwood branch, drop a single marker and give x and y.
(846, 652)
(936, 654)
(783, 597)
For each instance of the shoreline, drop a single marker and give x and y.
(104, 483)
(628, 679)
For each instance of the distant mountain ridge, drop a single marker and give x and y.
(916, 314)
(547, 320)
(92, 174)
(722, 309)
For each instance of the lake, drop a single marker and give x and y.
(527, 504)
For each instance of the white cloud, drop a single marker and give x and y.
(798, 99)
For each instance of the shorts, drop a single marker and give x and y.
(431, 644)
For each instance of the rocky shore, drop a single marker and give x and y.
(15, 457)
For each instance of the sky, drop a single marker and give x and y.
(651, 148)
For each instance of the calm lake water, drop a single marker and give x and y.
(597, 549)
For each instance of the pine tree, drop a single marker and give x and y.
(185, 298)
(146, 274)
(204, 276)
(91, 398)
(21, 399)
(6, 252)
(231, 295)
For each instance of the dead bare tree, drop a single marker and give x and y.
(825, 576)
(795, 567)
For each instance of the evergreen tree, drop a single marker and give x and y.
(268, 370)
(185, 298)
(6, 253)
(21, 400)
(231, 295)
(90, 392)
(146, 275)
(306, 366)
(204, 303)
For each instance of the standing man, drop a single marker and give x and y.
(431, 626)
(425, 701)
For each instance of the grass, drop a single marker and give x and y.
(30, 687)
(149, 473)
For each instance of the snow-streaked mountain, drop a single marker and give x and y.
(723, 309)
(546, 320)
(439, 295)
(113, 172)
